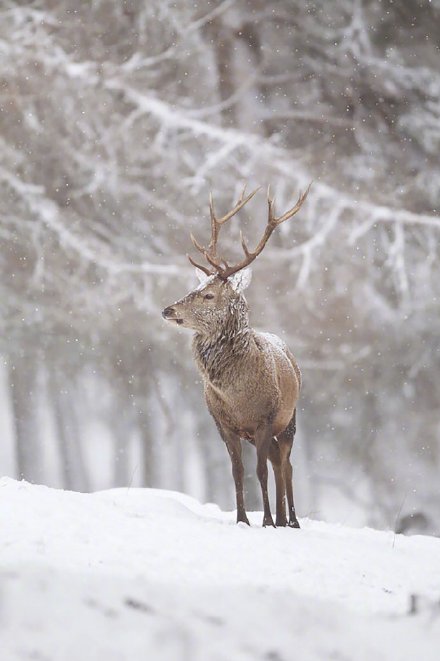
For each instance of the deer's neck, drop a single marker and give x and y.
(219, 354)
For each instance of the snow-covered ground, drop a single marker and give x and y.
(141, 574)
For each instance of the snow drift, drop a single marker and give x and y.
(146, 574)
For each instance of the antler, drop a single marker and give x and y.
(210, 253)
(220, 266)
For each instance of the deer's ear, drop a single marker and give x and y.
(240, 280)
(201, 275)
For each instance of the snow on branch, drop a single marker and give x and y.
(90, 251)
(280, 159)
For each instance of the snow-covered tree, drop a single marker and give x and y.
(116, 121)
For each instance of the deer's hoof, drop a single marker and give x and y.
(294, 524)
(243, 519)
(268, 521)
(281, 523)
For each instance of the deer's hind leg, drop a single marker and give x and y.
(285, 441)
(276, 461)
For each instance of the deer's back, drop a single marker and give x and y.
(263, 386)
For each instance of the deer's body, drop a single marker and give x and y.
(251, 379)
(248, 379)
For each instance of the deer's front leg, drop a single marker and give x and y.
(233, 444)
(263, 440)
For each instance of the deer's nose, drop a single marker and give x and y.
(168, 312)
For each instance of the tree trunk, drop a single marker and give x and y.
(121, 432)
(219, 486)
(25, 391)
(73, 466)
(237, 51)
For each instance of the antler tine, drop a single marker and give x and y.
(201, 249)
(244, 245)
(199, 266)
(214, 227)
(272, 222)
(269, 198)
(216, 264)
(291, 212)
(196, 244)
(216, 223)
(240, 204)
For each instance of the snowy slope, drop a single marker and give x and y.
(143, 574)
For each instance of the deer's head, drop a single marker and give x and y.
(209, 307)
(219, 295)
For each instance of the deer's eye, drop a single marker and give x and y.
(208, 296)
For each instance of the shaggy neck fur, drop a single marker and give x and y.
(218, 352)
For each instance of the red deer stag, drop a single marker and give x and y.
(251, 379)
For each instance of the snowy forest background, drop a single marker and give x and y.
(117, 119)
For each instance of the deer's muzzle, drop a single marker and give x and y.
(169, 314)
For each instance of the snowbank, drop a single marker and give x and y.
(142, 574)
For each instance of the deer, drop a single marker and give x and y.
(251, 379)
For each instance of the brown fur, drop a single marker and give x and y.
(252, 384)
